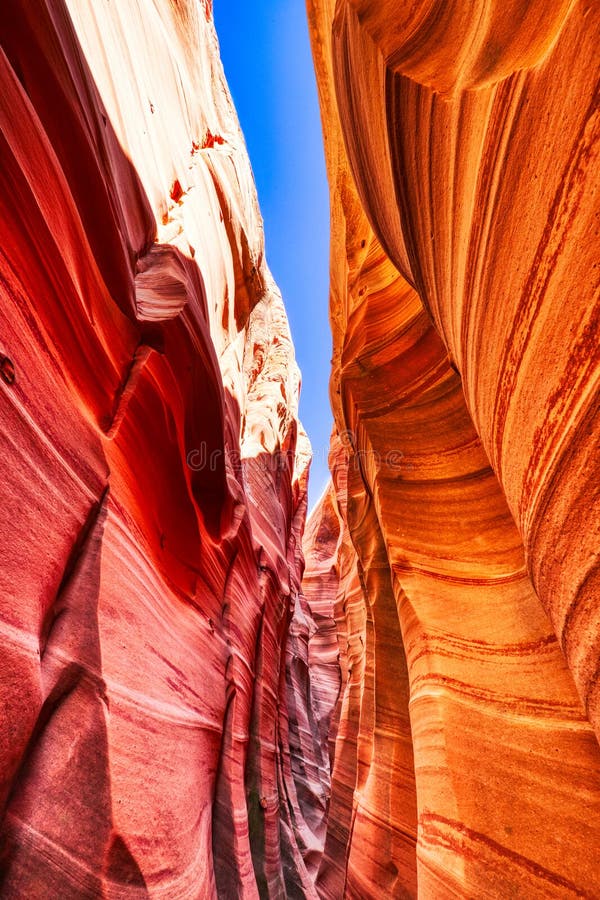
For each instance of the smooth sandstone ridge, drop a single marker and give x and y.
(156, 736)
(462, 149)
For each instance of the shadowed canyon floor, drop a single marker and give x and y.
(202, 695)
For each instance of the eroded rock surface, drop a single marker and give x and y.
(153, 476)
(461, 144)
(181, 717)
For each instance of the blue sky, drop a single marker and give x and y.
(266, 54)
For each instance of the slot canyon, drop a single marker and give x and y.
(206, 692)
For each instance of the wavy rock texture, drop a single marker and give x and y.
(460, 144)
(153, 479)
(372, 814)
(181, 719)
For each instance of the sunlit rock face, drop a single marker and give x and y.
(153, 479)
(461, 144)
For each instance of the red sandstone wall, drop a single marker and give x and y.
(462, 156)
(153, 476)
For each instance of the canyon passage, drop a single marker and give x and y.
(206, 693)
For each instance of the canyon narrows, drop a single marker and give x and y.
(202, 697)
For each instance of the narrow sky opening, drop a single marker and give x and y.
(268, 64)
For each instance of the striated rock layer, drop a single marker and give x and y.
(461, 144)
(181, 718)
(153, 480)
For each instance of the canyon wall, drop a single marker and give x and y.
(462, 154)
(184, 715)
(153, 479)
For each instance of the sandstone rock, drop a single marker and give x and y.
(372, 818)
(154, 473)
(462, 170)
(184, 716)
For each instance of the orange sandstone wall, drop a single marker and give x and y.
(461, 144)
(153, 477)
